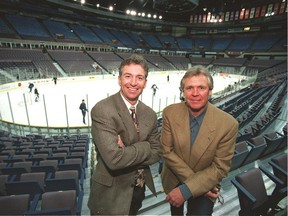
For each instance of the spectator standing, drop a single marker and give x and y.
(55, 79)
(36, 94)
(154, 88)
(83, 109)
(30, 86)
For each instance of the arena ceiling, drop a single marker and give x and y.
(178, 10)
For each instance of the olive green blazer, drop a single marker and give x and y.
(112, 182)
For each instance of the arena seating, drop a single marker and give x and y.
(152, 41)
(179, 62)
(104, 34)
(24, 156)
(60, 32)
(123, 38)
(85, 34)
(72, 61)
(28, 27)
(8, 207)
(168, 42)
(253, 196)
(264, 42)
(202, 43)
(221, 43)
(62, 168)
(240, 43)
(184, 43)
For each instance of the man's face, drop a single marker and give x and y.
(197, 92)
(132, 82)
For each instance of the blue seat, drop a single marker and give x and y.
(257, 145)
(240, 154)
(252, 194)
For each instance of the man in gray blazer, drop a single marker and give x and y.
(124, 148)
(198, 142)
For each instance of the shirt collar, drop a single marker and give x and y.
(200, 117)
(128, 105)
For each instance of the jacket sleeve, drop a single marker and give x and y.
(105, 130)
(155, 145)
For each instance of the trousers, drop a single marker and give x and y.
(195, 206)
(137, 199)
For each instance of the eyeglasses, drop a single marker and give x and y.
(220, 199)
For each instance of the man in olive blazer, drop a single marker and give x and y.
(114, 176)
(210, 158)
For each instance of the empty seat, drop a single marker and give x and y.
(7, 152)
(273, 140)
(29, 183)
(74, 164)
(14, 205)
(3, 180)
(279, 166)
(61, 150)
(36, 158)
(63, 180)
(34, 176)
(66, 180)
(47, 166)
(26, 164)
(17, 169)
(4, 165)
(241, 152)
(16, 158)
(60, 200)
(57, 203)
(3, 158)
(252, 194)
(258, 145)
(60, 157)
(81, 155)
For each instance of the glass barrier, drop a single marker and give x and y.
(56, 111)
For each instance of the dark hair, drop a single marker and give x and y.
(196, 71)
(134, 59)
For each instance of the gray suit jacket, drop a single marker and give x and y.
(209, 160)
(113, 179)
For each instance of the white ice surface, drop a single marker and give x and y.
(59, 104)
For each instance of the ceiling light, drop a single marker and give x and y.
(133, 13)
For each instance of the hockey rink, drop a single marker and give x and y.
(58, 105)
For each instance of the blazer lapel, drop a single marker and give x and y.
(183, 133)
(130, 131)
(144, 120)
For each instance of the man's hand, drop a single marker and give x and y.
(213, 194)
(120, 143)
(175, 197)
